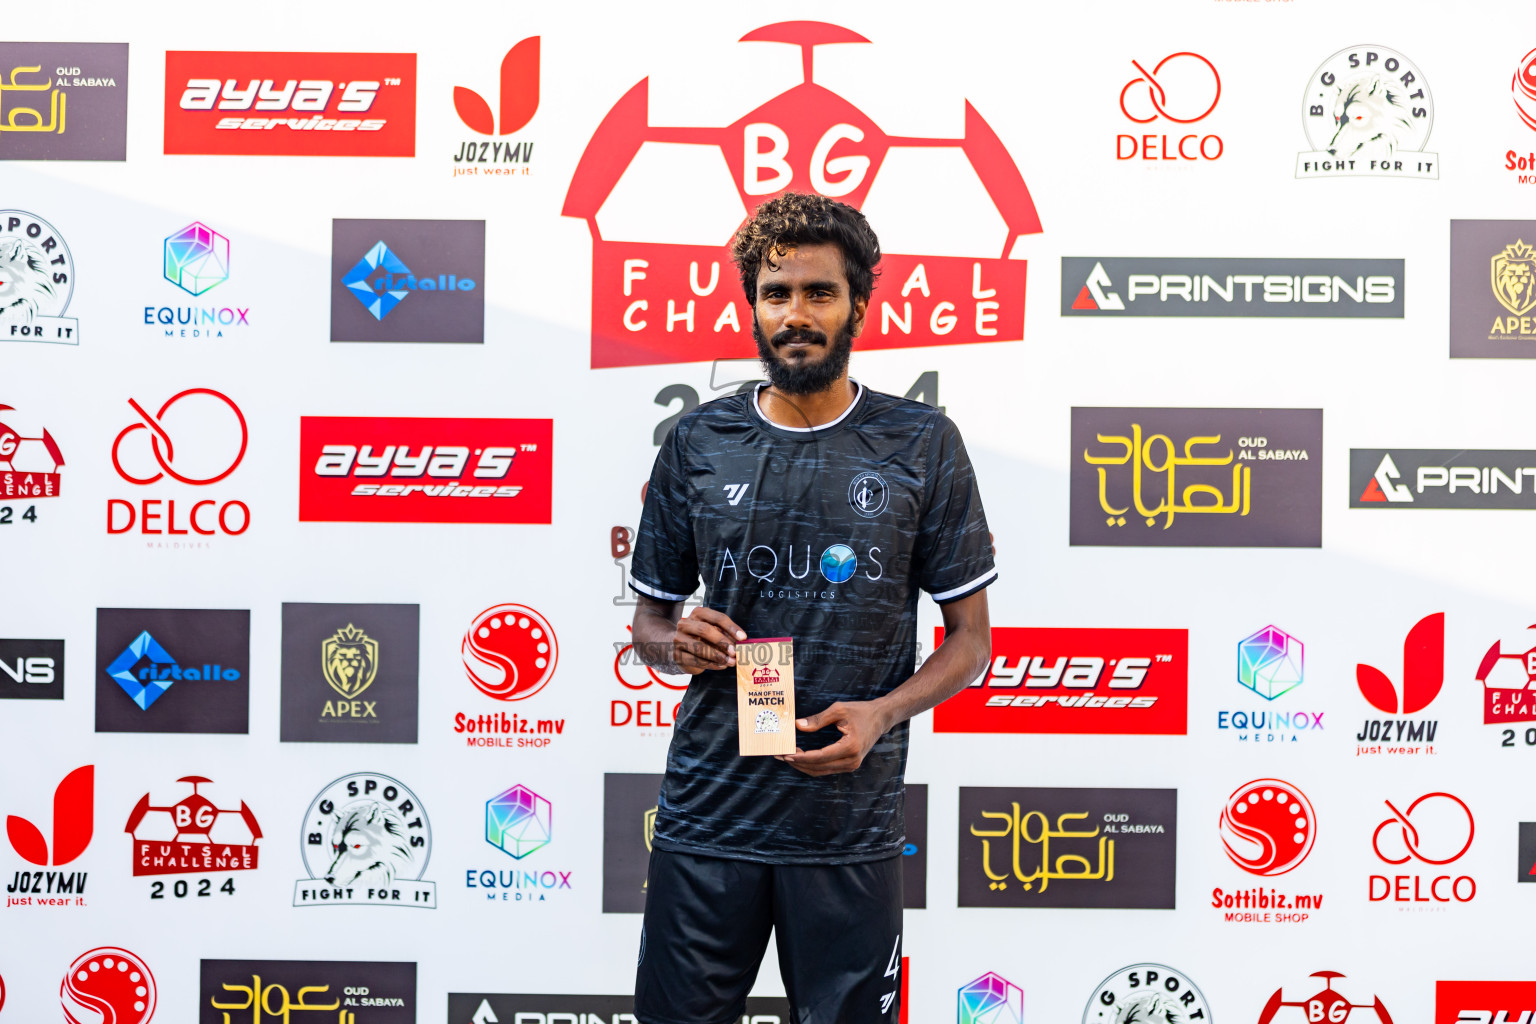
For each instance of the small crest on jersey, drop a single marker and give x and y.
(868, 494)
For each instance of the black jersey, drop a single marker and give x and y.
(824, 535)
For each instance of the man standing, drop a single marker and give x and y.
(813, 508)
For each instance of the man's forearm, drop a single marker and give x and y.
(962, 657)
(655, 626)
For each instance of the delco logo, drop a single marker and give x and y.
(1098, 681)
(659, 291)
(290, 104)
(422, 470)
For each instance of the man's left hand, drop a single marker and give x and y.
(862, 723)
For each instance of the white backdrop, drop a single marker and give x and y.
(1046, 78)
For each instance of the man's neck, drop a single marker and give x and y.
(815, 410)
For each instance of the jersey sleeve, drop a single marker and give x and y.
(665, 565)
(953, 556)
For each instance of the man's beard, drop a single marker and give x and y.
(804, 378)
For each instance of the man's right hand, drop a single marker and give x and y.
(705, 639)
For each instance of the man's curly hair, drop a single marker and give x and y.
(795, 219)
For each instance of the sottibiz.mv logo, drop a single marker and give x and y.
(363, 469)
(290, 104)
(659, 291)
(1075, 681)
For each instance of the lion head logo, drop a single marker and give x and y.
(368, 845)
(1372, 119)
(1514, 278)
(26, 288)
(350, 660)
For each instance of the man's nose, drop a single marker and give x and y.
(798, 314)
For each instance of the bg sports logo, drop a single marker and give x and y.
(1099, 681)
(362, 469)
(290, 104)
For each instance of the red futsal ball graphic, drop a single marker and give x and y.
(108, 986)
(510, 652)
(1268, 827)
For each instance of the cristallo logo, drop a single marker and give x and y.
(659, 292)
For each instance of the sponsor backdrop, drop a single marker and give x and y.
(335, 352)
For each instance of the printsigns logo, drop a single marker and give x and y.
(108, 985)
(1268, 827)
(306, 104)
(408, 280)
(1182, 88)
(76, 109)
(1484, 1002)
(518, 97)
(1067, 847)
(990, 999)
(371, 667)
(510, 652)
(1093, 681)
(1434, 830)
(1448, 478)
(192, 836)
(172, 670)
(37, 280)
(1493, 288)
(1150, 992)
(1197, 477)
(251, 989)
(493, 1007)
(1326, 1005)
(373, 469)
(366, 841)
(654, 285)
(1176, 286)
(1367, 110)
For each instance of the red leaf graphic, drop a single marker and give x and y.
(1423, 662)
(74, 814)
(1376, 688)
(27, 840)
(519, 85)
(473, 111)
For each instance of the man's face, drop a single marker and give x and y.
(805, 319)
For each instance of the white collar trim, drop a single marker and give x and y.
(758, 394)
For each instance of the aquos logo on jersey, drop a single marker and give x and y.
(1367, 110)
(197, 437)
(367, 469)
(1172, 286)
(1447, 478)
(509, 653)
(222, 102)
(1100, 681)
(366, 841)
(663, 290)
(37, 280)
(1485, 1002)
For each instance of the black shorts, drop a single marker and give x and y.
(838, 928)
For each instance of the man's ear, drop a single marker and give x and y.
(860, 308)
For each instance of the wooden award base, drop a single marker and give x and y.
(765, 696)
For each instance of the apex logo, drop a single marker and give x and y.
(519, 97)
(1384, 485)
(1423, 671)
(73, 822)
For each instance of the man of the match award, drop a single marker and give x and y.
(765, 696)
